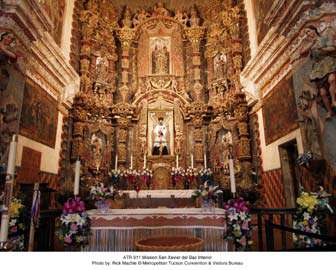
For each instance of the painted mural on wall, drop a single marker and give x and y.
(39, 116)
(11, 89)
(279, 111)
(261, 9)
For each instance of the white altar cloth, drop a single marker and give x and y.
(161, 193)
(118, 229)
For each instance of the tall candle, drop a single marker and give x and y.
(4, 227)
(77, 176)
(12, 156)
(132, 162)
(177, 161)
(232, 175)
(205, 161)
(192, 160)
(116, 163)
(10, 172)
(145, 161)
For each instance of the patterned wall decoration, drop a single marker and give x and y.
(261, 9)
(279, 111)
(39, 115)
(273, 189)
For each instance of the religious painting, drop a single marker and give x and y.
(161, 132)
(279, 111)
(160, 55)
(261, 9)
(39, 115)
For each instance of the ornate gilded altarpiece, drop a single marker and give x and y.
(154, 73)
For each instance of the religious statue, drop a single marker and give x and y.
(127, 18)
(309, 125)
(97, 149)
(160, 138)
(7, 43)
(323, 74)
(160, 59)
(194, 19)
(102, 65)
(220, 63)
(159, 10)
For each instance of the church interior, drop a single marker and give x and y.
(200, 125)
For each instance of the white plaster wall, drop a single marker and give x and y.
(50, 156)
(270, 153)
(67, 28)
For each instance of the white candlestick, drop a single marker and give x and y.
(11, 172)
(77, 176)
(192, 160)
(145, 161)
(116, 163)
(4, 228)
(205, 161)
(131, 162)
(177, 161)
(12, 156)
(232, 176)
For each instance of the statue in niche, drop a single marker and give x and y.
(322, 51)
(7, 43)
(220, 64)
(160, 137)
(309, 125)
(97, 148)
(194, 19)
(127, 18)
(102, 65)
(160, 10)
(160, 56)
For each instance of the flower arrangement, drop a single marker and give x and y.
(205, 175)
(208, 193)
(17, 226)
(191, 175)
(177, 175)
(238, 222)
(99, 192)
(74, 229)
(131, 176)
(146, 177)
(311, 208)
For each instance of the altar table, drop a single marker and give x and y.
(118, 229)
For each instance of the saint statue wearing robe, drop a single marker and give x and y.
(160, 139)
(160, 60)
